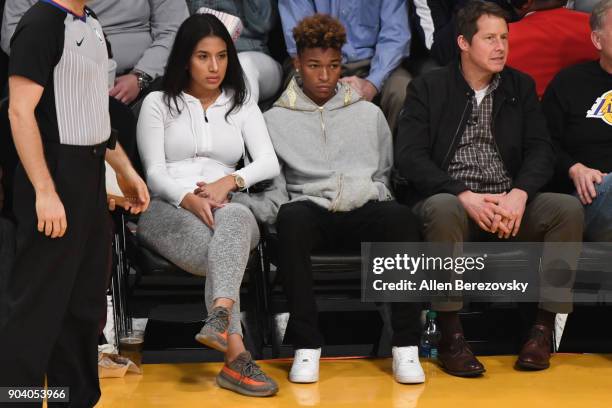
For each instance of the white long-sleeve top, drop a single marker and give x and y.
(179, 150)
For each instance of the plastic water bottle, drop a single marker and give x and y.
(431, 337)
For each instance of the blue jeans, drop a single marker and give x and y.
(598, 214)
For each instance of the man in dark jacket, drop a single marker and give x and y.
(474, 146)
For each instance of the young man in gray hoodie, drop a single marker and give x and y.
(335, 152)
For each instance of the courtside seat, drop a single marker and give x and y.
(173, 301)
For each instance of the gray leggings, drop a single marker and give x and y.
(220, 255)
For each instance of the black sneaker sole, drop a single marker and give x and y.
(228, 385)
(211, 342)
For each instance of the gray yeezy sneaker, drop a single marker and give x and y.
(214, 332)
(245, 377)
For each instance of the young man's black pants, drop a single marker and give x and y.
(304, 226)
(55, 294)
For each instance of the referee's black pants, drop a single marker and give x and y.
(304, 226)
(54, 297)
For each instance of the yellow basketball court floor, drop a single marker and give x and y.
(574, 380)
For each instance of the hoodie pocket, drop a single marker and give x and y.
(327, 188)
(354, 192)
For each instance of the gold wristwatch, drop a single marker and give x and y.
(240, 183)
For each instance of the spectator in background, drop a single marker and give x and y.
(578, 106)
(140, 32)
(378, 39)
(544, 42)
(436, 26)
(264, 74)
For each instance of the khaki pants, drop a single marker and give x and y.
(549, 217)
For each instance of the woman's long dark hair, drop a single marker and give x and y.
(177, 76)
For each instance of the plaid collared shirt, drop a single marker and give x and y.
(477, 161)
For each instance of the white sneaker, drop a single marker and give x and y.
(406, 366)
(305, 367)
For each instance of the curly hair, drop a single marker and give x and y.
(319, 31)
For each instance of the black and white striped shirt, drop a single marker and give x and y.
(66, 54)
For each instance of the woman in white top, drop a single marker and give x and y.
(191, 136)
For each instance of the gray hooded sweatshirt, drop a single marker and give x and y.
(338, 155)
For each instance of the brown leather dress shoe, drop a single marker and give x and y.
(456, 358)
(535, 354)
